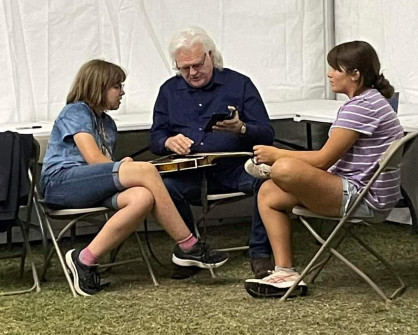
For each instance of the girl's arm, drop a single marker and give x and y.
(89, 150)
(338, 143)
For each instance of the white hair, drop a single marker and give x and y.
(190, 36)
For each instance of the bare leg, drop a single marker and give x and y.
(132, 174)
(272, 204)
(134, 203)
(316, 189)
(295, 182)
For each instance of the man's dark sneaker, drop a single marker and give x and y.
(184, 272)
(199, 255)
(261, 266)
(86, 278)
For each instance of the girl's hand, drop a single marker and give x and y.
(266, 154)
(127, 159)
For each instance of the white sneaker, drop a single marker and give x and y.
(261, 171)
(275, 285)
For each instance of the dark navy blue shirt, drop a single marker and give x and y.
(182, 109)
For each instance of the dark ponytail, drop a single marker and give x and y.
(384, 87)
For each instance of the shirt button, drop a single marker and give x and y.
(200, 129)
(201, 143)
(200, 105)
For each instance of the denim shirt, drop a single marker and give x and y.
(182, 109)
(62, 152)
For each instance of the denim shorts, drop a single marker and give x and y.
(85, 186)
(363, 210)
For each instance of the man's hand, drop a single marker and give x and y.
(179, 144)
(233, 125)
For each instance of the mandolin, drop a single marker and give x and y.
(174, 162)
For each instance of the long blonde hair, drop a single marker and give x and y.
(92, 82)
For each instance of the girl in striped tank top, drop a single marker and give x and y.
(327, 181)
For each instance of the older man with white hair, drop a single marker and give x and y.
(185, 104)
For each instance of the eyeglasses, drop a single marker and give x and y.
(197, 67)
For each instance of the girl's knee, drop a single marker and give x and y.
(140, 197)
(143, 168)
(285, 169)
(265, 191)
(147, 168)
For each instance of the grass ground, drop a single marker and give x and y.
(337, 303)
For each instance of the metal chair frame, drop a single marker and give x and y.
(74, 216)
(391, 159)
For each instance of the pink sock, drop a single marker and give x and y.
(87, 257)
(187, 243)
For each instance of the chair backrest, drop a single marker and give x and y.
(394, 101)
(16, 156)
(392, 157)
(390, 160)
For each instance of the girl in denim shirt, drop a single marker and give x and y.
(79, 171)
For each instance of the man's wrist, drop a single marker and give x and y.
(166, 145)
(243, 129)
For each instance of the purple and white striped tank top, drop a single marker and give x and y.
(370, 115)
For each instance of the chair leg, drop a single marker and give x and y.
(41, 226)
(22, 261)
(146, 259)
(202, 219)
(410, 205)
(56, 240)
(47, 262)
(148, 243)
(60, 257)
(308, 268)
(389, 267)
(361, 274)
(114, 253)
(335, 253)
(36, 284)
(317, 268)
(27, 251)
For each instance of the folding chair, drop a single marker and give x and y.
(26, 223)
(390, 160)
(209, 202)
(394, 101)
(73, 216)
(406, 201)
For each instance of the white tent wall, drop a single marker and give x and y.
(279, 44)
(390, 26)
